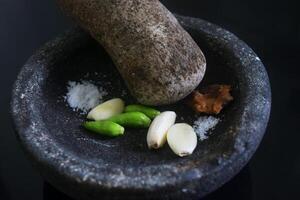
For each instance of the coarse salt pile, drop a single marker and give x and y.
(83, 96)
(203, 124)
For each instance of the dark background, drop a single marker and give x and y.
(271, 28)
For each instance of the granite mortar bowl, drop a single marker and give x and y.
(88, 166)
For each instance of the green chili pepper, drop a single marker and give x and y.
(132, 119)
(150, 112)
(107, 128)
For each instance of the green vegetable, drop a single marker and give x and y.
(107, 128)
(150, 112)
(132, 119)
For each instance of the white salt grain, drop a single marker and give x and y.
(83, 96)
(203, 124)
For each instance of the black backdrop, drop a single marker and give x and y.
(271, 28)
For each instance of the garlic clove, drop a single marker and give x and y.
(157, 132)
(107, 109)
(182, 139)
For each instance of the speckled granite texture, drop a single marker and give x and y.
(152, 43)
(86, 166)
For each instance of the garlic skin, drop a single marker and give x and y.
(182, 139)
(157, 133)
(107, 109)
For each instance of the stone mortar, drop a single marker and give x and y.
(86, 166)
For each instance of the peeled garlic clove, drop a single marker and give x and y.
(107, 109)
(182, 139)
(157, 132)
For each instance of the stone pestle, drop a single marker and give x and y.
(157, 58)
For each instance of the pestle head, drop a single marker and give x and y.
(157, 58)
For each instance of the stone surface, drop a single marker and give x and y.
(87, 166)
(157, 58)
